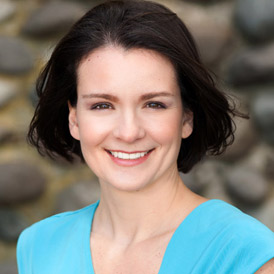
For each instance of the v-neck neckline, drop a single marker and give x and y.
(169, 245)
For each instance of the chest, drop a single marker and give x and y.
(145, 257)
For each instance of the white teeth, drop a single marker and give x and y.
(127, 156)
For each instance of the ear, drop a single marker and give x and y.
(187, 124)
(73, 124)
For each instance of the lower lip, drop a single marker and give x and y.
(128, 162)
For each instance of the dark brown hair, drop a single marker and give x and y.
(131, 24)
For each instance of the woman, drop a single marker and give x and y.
(125, 90)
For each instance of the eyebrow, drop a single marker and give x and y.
(146, 96)
(151, 95)
(101, 95)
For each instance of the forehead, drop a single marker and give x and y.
(113, 66)
(120, 54)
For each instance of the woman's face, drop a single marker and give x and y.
(129, 117)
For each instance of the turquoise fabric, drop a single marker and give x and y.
(215, 238)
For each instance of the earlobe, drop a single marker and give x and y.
(187, 124)
(73, 124)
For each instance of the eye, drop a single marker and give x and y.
(99, 106)
(155, 105)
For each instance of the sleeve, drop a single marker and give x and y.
(257, 246)
(241, 245)
(24, 252)
(251, 245)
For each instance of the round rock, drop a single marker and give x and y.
(265, 213)
(12, 224)
(211, 40)
(20, 182)
(52, 18)
(263, 112)
(255, 19)
(209, 174)
(245, 139)
(77, 196)
(246, 185)
(7, 9)
(7, 92)
(33, 97)
(204, 1)
(15, 56)
(269, 166)
(6, 134)
(191, 182)
(252, 66)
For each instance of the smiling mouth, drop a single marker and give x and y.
(128, 156)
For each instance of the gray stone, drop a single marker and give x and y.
(15, 56)
(20, 182)
(258, 158)
(201, 176)
(269, 166)
(209, 174)
(264, 213)
(12, 224)
(52, 18)
(212, 40)
(7, 9)
(7, 92)
(255, 19)
(246, 185)
(203, 1)
(208, 171)
(245, 139)
(263, 112)
(212, 33)
(33, 97)
(5, 134)
(192, 183)
(8, 268)
(78, 195)
(252, 66)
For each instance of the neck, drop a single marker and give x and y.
(131, 217)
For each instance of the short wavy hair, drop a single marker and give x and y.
(131, 24)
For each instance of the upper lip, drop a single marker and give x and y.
(129, 152)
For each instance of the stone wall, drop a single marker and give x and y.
(236, 41)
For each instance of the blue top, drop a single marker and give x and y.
(214, 238)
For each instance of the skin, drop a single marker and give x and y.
(129, 100)
(267, 268)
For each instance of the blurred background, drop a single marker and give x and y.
(236, 42)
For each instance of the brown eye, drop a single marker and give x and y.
(155, 105)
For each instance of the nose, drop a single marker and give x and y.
(129, 127)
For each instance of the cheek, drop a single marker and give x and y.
(167, 129)
(92, 131)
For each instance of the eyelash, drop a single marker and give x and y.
(159, 105)
(99, 106)
(102, 106)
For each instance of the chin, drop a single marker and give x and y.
(128, 187)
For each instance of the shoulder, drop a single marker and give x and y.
(62, 222)
(225, 214)
(225, 218)
(241, 236)
(40, 247)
